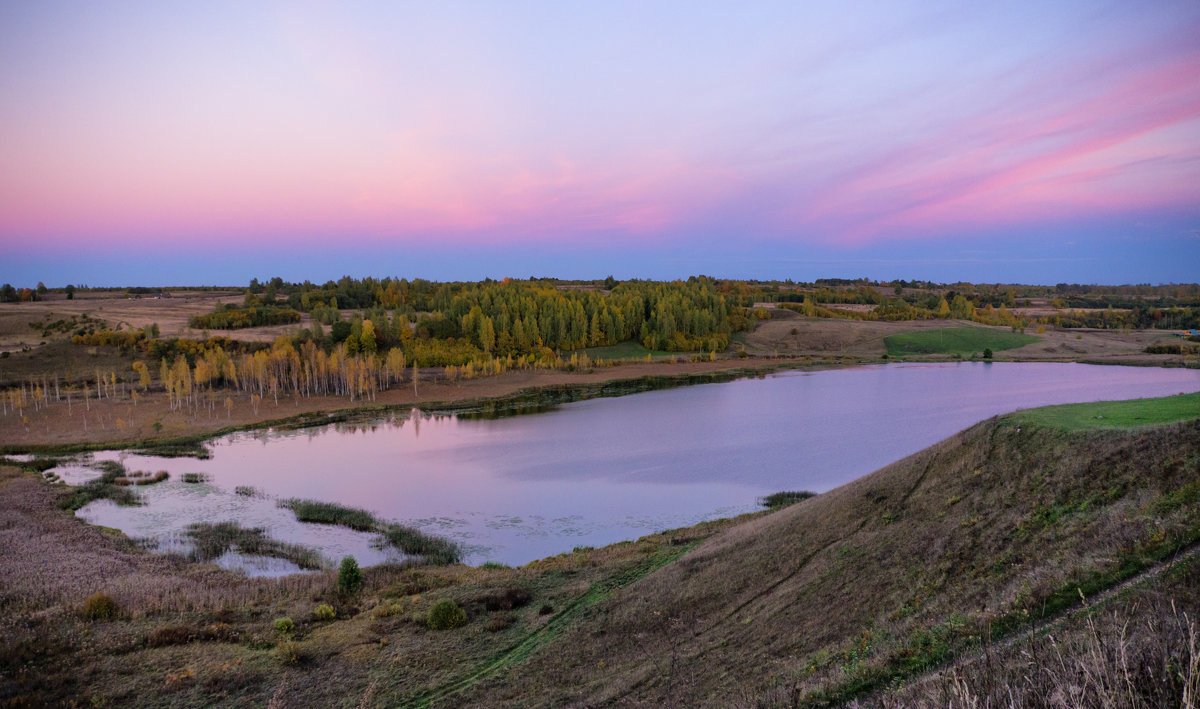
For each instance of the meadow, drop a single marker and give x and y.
(960, 341)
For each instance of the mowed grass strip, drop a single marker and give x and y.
(1114, 414)
(964, 341)
(627, 350)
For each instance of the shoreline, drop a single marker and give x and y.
(510, 393)
(542, 388)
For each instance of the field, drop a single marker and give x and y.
(962, 341)
(20, 323)
(789, 334)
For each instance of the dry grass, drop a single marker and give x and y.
(1142, 651)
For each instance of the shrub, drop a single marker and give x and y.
(511, 598)
(99, 606)
(169, 635)
(349, 577)
(284, 626)
(446, 614)
(498, 623)
(289, 652)
(324, 612)
(987, 353)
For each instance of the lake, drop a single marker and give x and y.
(594, 472)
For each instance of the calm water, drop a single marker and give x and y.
(599, 471)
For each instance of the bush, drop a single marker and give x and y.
(349, 577)
(284, 626)
(289, 653)
(324, 612)
(446, 614)
(99, 606)
(498, 623)
(169, 635)
(507, 600)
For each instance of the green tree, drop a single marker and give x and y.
(349, 577)
(366, 341)
(487, 335)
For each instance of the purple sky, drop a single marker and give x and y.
(176, 143)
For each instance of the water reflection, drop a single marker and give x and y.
(598, 471)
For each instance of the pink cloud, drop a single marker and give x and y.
(1031, 161)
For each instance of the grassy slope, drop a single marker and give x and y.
(963, 341)
(839, 595)
(885, 577)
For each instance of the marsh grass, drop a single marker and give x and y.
(331, 513)
(435, 550)
(108, 486)
(779, 500)
(195, 478)
(210, 541)
(177, 449)
(141, 478)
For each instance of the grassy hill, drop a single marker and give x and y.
(865, 593)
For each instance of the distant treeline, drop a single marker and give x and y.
(521, 317)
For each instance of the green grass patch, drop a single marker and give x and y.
(627, 350)
(331, 513)
(965, 341)
(1113, 414)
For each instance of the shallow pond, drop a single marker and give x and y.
(603, 470)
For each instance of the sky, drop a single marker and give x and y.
(176, 143)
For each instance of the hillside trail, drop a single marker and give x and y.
(1089, 603)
